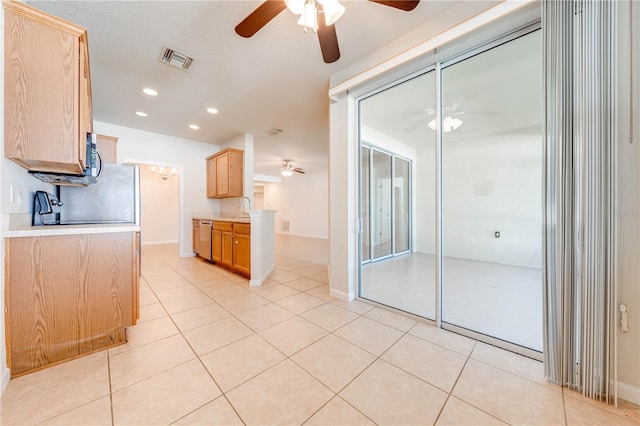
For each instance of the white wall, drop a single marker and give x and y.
(493, 184)
(188, 156)
(160, 221)
(301, 199)
(343, 193)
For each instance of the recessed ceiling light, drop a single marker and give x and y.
(212, 110)
(194, 126)
(150, 92)
(141, 114)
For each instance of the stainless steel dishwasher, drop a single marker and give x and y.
(204, 242)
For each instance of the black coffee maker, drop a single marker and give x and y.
(46, 209)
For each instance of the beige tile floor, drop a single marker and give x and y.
(209, 349)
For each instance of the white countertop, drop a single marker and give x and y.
(17, 227)
(243, 217)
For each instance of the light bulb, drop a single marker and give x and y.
(448, 124)
(332, 11)
(309, 16)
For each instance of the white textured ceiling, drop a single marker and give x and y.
(276, 79)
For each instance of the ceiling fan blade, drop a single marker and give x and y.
(299, 170)
(405, 5)
(260, 17)
(328, 42)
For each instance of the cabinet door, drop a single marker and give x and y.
(42, 81)
(236, 174)
(227, 248)
(242, 254)
(211, 178)
(67, 296)
(85, 113)
(222, 175)
(216, 246)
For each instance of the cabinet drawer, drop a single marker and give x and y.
(223, 226)
(242, 228)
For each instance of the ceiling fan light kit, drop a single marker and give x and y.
(309, 11)
(448, 124)
(288, 169)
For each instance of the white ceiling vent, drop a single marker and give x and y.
(175, 59)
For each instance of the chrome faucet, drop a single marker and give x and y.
(244, 198)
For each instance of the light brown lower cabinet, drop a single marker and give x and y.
(242, 248)
(68, 296)
(231, 245)
(227, 248)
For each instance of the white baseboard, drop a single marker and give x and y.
(347, 297)
(629, 393)
(254, 282)
(6, 376)
(155, 243)
(188, 254)
(302, 235)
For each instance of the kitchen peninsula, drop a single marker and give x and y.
(240, 242)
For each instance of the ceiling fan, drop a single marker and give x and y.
(452, 114)
(288, 169)
(310, 11)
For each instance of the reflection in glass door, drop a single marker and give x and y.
(401, 202)
(385, 205)
(365, 177)
(381, 204)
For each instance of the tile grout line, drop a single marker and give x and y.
(454, 384)
(113, 420)
(255, 332)
(222, 393)
(359, 315)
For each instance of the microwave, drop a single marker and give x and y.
(91, 174)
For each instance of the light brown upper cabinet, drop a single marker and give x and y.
(225, 174)
(47, 90)
(108, 148)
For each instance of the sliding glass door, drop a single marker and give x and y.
(480, 137)
(491, 192)
(397, 193)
